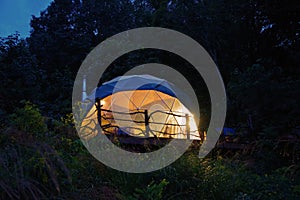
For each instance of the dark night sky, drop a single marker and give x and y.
(15, 15)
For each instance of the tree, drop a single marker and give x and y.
(67, 30)
(19, 73)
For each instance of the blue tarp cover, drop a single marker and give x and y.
(134, 82)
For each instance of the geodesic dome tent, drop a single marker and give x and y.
(140, 106)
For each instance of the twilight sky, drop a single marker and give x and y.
(15, 15)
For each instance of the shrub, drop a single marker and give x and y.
(29, 120)
(30, 170)
(152, 192)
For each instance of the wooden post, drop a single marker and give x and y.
(98, 107)
(147, 124)
(187, 125)
(201, 133)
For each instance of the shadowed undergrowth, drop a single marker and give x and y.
(47, 161)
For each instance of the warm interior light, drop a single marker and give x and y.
(182, 121)
(168, 116)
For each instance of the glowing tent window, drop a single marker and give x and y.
(151, 110)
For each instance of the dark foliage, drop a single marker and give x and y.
(255, 44)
